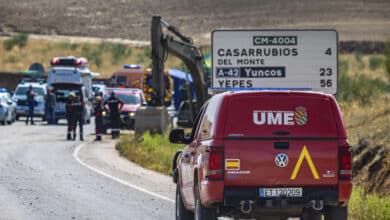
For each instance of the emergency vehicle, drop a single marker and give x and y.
(39, 88)
(136, 77)
(264, 154)
(71, 75)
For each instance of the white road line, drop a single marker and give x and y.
(123, 182)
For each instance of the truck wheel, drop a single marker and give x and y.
(336, 213)
(181, 212)
(201, 212)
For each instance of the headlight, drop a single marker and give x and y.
(131, 114)
(104, 113)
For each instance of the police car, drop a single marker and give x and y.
(39, 88)
(7, 107)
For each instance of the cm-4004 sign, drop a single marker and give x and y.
(275, 59)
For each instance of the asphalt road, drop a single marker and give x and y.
(43, 176)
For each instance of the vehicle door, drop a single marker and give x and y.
(187, 163)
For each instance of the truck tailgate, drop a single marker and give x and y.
(281, 139)
(304, 163)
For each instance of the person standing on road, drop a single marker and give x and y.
(30, 97)
(70, 116)
(50, 106)
(78, 106)
(98, 118)
(115, 105)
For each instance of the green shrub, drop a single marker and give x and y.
(73, 46)
(19, 40)
(375, 62)
(343, 66)
(92, 53)
(387, 59)
(65, 45)
(359, 58)
(8, 44)
(359, 88)
(119, 52)
(368, 207)
(153, 152)
(12, 59)
(147, 52)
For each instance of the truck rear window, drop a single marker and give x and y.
(269, 115)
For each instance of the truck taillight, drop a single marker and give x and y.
(345, 155)
(215, 165)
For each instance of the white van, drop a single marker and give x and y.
(71, 74)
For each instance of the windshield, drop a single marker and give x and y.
(62, 94)
(126, 99)
(22, 90)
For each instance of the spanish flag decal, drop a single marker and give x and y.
(304, 155)
(232, 164)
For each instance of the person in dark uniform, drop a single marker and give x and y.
(30, 95)
(78, 106)
(70, 115)
(115, 105)
(98, 118)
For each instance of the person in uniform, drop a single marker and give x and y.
(78, 106)
(30, 95)
(115, 105)
(98, 118)
(50, 106)
(70, 115)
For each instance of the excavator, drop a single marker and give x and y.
(154, 118)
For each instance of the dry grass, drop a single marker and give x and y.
(359, 64)
(372, 122)
(100, 56)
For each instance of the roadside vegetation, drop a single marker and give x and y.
(364, 206)
(18, 52)
(154, 152)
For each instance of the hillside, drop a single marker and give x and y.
(130, 19)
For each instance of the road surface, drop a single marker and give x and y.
(43, 176)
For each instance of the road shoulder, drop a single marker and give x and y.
(103, 158)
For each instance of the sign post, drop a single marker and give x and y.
(275, 59)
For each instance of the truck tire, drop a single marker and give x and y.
(336, 213)
(201, 212)
(181, 212)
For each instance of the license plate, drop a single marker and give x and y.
(280, 192)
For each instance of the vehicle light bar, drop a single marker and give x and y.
(132, 66)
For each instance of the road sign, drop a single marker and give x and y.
(275, 59)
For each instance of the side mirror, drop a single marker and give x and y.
(177, 136)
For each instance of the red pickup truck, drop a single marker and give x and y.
(264, 155)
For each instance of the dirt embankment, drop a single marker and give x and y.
(130, 19)
(371, 167)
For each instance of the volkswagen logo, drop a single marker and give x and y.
(281, 160)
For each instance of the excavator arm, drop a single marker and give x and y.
(183, 48)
